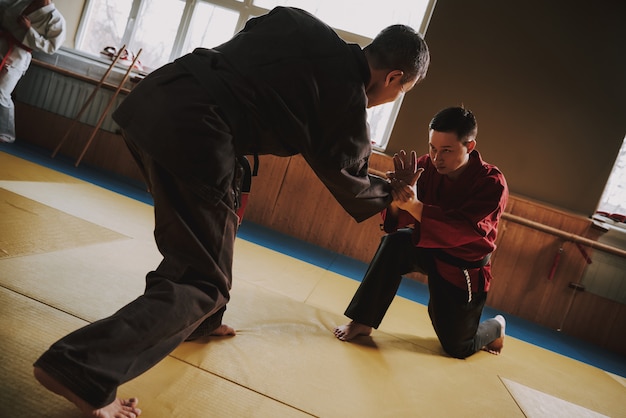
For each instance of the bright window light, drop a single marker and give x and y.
(613, 199)
(166, 29)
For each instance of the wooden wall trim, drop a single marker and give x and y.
(107, 152)
(566, 236)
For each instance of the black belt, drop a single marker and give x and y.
(459, 262)
(464, 265)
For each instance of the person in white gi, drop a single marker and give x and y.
(25, 26)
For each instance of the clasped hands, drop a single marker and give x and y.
(403, 180)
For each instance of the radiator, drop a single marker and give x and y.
(64, 95)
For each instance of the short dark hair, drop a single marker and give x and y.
(399, 47)
(455, 119)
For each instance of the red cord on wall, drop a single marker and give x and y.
(584, 253)
(555, 264)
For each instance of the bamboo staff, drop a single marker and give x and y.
(88, 101)
(106, 110)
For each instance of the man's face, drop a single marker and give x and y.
(448, 154)
(389, 89)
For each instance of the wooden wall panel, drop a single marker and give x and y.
(265, 188)
(522, 284)
(298, 204)
(45, 129)
(598, 320)
(524, 261)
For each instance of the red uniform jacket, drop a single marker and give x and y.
(460, 217)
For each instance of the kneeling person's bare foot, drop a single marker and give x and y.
(119, 408)
(495, 347)
(223, 330)
(352, 330)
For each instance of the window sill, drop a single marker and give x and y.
(614, 231)
(86, 66)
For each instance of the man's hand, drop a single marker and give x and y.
(405, 166)
(405, 197)
(402, 193)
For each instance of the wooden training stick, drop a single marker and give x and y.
(106, 110)
(88, 101)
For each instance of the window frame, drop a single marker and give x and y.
(246, 9)
(615, 186)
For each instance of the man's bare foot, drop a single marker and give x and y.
(352, 330)
(223, 330)
(495, 347)
(202, 332)
(119, 408)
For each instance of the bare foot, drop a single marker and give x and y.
(202, 332)
(495, 347)
(119, 408)
(352, 330)
(223, 330)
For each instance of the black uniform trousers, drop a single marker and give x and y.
(455, 320)
(189, 290)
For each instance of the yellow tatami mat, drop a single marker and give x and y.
(28, 227)
(284, 360)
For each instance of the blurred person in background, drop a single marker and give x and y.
(25, 26)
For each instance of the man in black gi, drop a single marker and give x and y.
(285, 85)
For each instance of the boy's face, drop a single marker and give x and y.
(448, 154)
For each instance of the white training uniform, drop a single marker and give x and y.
(46, 34)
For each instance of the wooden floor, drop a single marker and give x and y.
(72, 252)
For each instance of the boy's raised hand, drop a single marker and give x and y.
(405, 168)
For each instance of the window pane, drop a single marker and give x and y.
(381, 119)
(363, 17)
(614, 197)
(156, 30)
(105, 25)
(210, 26)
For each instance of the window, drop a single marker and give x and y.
(613, 199)
(103, 25)
(362, 17)
(166, 29)
(605, 275)
(155, 30)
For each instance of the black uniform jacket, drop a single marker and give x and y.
(285, 85)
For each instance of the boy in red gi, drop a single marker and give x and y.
(444, 226)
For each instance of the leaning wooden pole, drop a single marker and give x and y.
(108, 107)
(88, 101)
